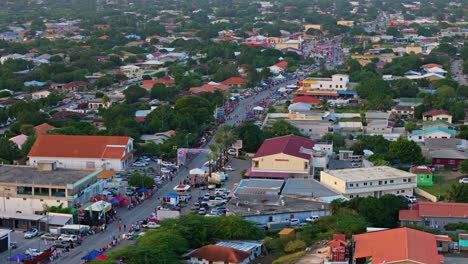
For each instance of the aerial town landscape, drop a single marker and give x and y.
(233, 131)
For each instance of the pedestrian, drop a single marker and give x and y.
(125, 227)
(119, 227)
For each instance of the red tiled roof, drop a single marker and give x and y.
(282, 64)
(431, 65)
(443, 209)
(220, 254)
(148, 84)
(421, 170)
(75, 84)
(42, 129)
(396, 245)
(442, 238)
(409, 215)
(79, 146)
(435, 112)
(306, 99)
(289, 145)
(234, 80)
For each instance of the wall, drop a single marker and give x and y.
(80, 163)
(426, 195)
(332, 182)
(29, 205)
(446, 162)
(281, 163)
(263, 219)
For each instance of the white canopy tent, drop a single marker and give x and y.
(197, 171)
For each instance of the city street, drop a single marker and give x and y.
(147, 207)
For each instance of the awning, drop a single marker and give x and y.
(182, 187)
(142, 190)
(258, 108)
(172, 195)
(114, 201)
(98, 206)
(58, 220)
(13, 215)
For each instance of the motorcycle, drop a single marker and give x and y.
(13, 245)
(130, 206)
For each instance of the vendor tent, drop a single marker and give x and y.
(101, 257)
(91, 255)
(114, 201)
(197, 171)
(258, 108)
(142, 190)
(280, 77)
(101, 205)
(18, 258)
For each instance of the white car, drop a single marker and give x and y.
(228, 168)
(151, 225)
(138, 164)
(312, 218)
(166, 163)
(69, 238)
(411, 199)
(294, 221)
(31, 233)
(33, 252)
(231, 151)
(463, 180)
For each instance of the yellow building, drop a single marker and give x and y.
(413, 49)
(373, 181)
(282, 157)
(346, 23)
(312, 26)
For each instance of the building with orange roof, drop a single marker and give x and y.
(218, 254)
(167, 81)
(399, 245)
(83, 152)
(435, 215)
(42, 129)
(235, 82)
(209, 88)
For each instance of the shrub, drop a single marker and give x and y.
(294, 246)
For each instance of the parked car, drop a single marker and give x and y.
(31, 233)
(202, 211)
(33, 252)
(211, 186)
(312, 218)
(463, 180)
(231, 151)
(61, 244)
(49, 236)
(129, 191)
(151, 225)
(294, 221)
(411, 199)
(138, 164)
(228, 168)
(69, 238)
(355, 165)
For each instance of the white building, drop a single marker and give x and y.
(373, 181)
(338, 82)
(431, 132)
(40, 94)
(83, 152)
(131, 71)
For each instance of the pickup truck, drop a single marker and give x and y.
(151, 225)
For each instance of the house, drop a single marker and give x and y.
(26, 190)
(306, 99)
(40, 94)
(437, 114)
(235, 82)
(338, 82)
(376, 116)
(438, 123)
(253, 247)
(83, 152)
(219, 254)
(378, 127)
(432, 132)
(279, 67)
(399, 245)
(158, 138)
(423, 175)
(71, 86)
(97, 103)
(346, 23)
(260, 201)
(435, 215)
(372, 181)
(131, 71)
(166, 81)
(403, 110)
(209, 88)
(19, 140)
(42, 129)
(350, 128)
(447, 158)
(282, 157)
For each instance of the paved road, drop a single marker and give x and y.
(456, 67)
(144, 210)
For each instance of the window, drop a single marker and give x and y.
(391, 181)
(404, 180)
(451, 162)
(370, 183)
(306, 165)
(380, 182)
(437, 160)
(351, 185)
(409, 179)
(385, 182)
(357, 184)
(351, 196)
(255, 162)
(365, 184)
(90, 165)
(402, 191)
(341, 79)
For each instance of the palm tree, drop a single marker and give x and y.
(224, 137)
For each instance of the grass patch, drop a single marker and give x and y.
(289, 258)
(440, 187)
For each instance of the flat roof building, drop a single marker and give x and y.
(373, 181)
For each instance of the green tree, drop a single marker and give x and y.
(407, 151)
(27, 145)
(410, 126)
(251, 136)
(8, 150)
(133, 93)
(282, 128)
(458, 193)
(337, 139)
(197, 108)
(140, 181)
(405, 88)
(161, 92)
(27, 129)
(464, 166)
(392, 31)
(294, 246)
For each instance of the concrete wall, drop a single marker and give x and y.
(263, 219)
(81, 163)
(29, 205)
(426, 195)
(281, 163)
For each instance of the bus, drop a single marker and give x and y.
(73, 229)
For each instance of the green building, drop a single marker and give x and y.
(424, 175)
